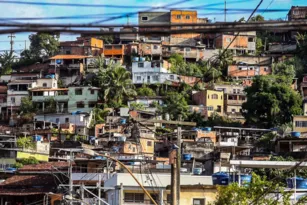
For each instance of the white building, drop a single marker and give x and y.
(152, 72)
(127, 191)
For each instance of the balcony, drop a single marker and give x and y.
(45, 98)
(227, 143)
(110, 50)
(235, 102)
(74, 66)
(190, 54)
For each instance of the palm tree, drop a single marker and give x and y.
(116, 84)
(222, 59)
(99, 62)
(6, 61)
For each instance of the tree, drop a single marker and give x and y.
(107, 39)
(176, 106)
(25, 142)
(145, 91)
(271, 101)
(284, 70)
(116, 85)
(6, 61)
(99, 62)
(44, 44)
(27, 105)
(257, 18)
(258, 192)
(99, 115)
(137, 106)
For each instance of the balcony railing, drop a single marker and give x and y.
(235, 102)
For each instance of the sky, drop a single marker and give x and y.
(205, 8)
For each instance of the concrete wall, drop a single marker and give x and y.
(89, 95)
(188, 194)
(148, 78)
(49, 83)
(79, 120)
(205, 98)
(244, 71)
(300, 123)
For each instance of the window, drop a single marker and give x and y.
(233, 110)
(141, 65)
(134, 197)
(178, 17)
(208, 96)
(219, 108)
(78, 91)
(234, 91)
(300, 123)
(198, 201)
(228, 40)
(240, 68)
(144, 18)
(12, 99)
(80, 105)
(214, 96)
(57, 120)
(250, 39)
(67, 120)
(149, 143)
(168, 198)
(138, 78)
(91, 104)
(155, 78)
(92, 92)
(251, 68)
(187, 17)
(44, 85)
(155, 47)
(187, 49)
(265, 69)
(171, 77)
(210, 108)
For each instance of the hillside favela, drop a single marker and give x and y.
(139, 102)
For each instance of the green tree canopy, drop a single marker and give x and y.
(116, 85)
(176, 106)
(271, 102)
(44, 44)
(259, 192)
(145, 91)
(6, 61)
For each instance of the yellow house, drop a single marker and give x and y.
(212, 100)
(197, 194)
(300, 123)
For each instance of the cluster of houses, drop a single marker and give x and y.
(65, 124)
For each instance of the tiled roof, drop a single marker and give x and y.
(24, 191)
(28, 180)
(68, 57)
(48, 166)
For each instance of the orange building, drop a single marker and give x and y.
(114, 51)
(248, 71)
(82, 46)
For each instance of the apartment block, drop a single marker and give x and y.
(82, 46)
(212, 100)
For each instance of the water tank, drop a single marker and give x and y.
(186, 156)
(122, 139)
(100, 157)
(135, 59)
(245, 179)
(295, 134)
(220, 178)
(122, 121)
(301, 183)
(37, 138)
(197, 171)
(208, 129)
(142, 59)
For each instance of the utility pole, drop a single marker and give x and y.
(225, 12)
(178, 162)
(11, 41)
(25, 44)
(99, 188)
(70, 175)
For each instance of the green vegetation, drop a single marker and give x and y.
(271, 101)
(116, 84)
(6, 61)
(44, 44)
(258, 192)
(137, 106)
(25, 142)
(26, 161)
(176, 106)
(145, 91)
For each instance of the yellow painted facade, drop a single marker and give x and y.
(39, 157)
(148, 145)
(97, 43)
(300, 123)
(212, 100)
(190, 193)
